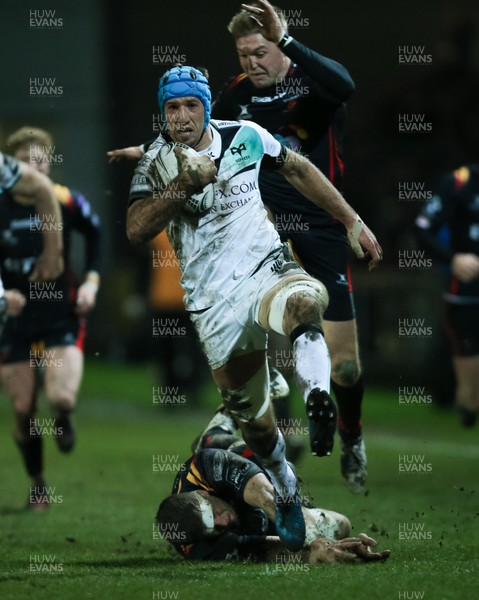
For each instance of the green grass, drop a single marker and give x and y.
(100, 535)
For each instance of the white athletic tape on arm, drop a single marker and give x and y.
(353, 236)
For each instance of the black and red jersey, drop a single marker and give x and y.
(21, 242)
(304, 111)
(224, 474)
(454, 205)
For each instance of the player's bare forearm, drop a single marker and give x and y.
(259, 493)
(130, 153)
(36, 189)
(311, 183)
(148, 217)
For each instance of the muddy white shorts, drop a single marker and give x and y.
(230, 327)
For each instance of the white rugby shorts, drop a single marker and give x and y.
(230, 327)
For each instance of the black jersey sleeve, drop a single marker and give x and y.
(226, 473)
(439, 211)
(331, 81)
(86, 221)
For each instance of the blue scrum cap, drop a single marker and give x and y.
(180, 82)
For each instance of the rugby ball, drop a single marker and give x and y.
(167, 163)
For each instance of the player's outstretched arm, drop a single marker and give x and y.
(324, 551)
(147, 217)
(310, 182)
(35, 189)
(353, 549)
(130, 153)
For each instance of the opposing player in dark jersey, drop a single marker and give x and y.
(47, 336)
(298, 95)
(222, 508)
(29, 188)
(455, 205)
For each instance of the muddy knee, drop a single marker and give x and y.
(345, 372)
(297, 303)
(250, 401)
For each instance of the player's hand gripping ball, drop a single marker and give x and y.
(169, 163)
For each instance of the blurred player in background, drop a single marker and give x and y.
(298, 95)
(24, 186)
(48, 335)
(222, 508)
(239, 280)
(455, 205)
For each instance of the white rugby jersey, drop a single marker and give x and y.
(220, 248)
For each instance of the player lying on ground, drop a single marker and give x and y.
(240, 280)
(223, 508)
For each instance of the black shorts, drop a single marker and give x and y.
(462, 328)
(323, 252)
(20, 337)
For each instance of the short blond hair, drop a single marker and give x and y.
(242, 25)
(28, 136)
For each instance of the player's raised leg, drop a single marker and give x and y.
(295, 307)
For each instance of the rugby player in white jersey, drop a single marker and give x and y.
(240, 281)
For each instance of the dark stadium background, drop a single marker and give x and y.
(102, 56)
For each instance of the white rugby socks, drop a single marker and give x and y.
(281, 474)
(312, 365)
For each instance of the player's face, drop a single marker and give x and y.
(185, 118)
(34, 155)
(225, 516)
(261, 60)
